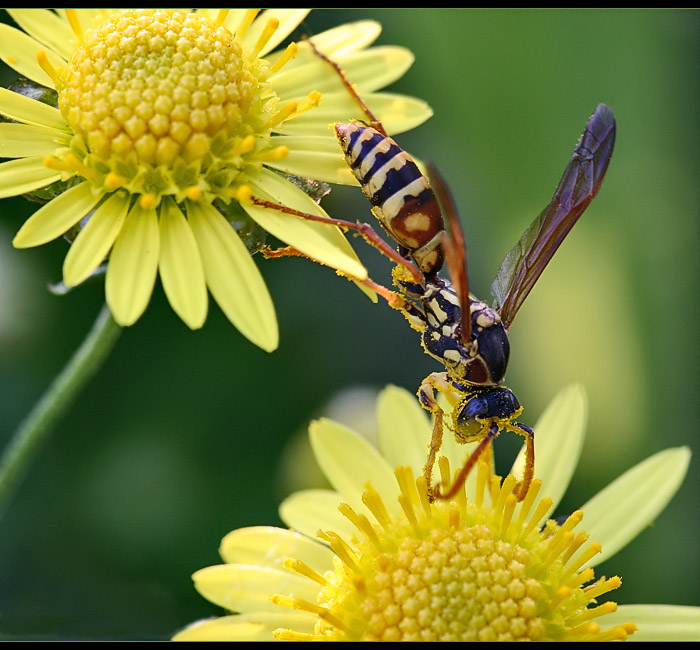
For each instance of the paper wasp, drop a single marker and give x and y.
(474, 350)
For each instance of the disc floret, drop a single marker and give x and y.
(164, 102)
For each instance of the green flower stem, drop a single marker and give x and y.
(34, 430)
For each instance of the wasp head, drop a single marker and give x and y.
(481, 406)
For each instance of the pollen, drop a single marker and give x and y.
(460, 570)
(153, 82)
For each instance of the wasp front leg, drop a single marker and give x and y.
(426, 395)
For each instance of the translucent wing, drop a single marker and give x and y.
(581, 181)
(454, 249)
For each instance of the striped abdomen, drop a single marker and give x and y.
(400, 195)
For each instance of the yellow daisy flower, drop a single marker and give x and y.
(391, 565)
(165, 120)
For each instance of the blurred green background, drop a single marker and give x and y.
(185, 436)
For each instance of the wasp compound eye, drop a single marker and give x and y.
(474, 408)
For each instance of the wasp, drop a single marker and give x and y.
(467, 336)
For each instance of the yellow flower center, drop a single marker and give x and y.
(453, 584)
(158, 83)
(167, 102)
(458, 571)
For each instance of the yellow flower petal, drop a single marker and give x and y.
(618, 513)
(89, 17)
(396, 113)
(377, 67)
(246, 627)
(94, 241)
(226, 628)
(25, 175)
(269, 547)
(239, 587)
(23, 109)
(232, 276)
(232, 20)
(404, 428)
(309, 511)
(659, 622)
(559, 435)
(46, 27)
(369, 70)
(339, 451)
(180, 267)
(24, 140)
(131, 273)
(56, 217)
(344, 39)
(289, 20)
(19, 52)
(314, 156)
(319, 241)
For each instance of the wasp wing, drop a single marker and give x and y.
(581, 181)
(454, 249)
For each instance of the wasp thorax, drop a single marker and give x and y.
(493, 345)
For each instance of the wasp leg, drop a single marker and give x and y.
(435, 444)
(372, 119)
(364, 229)
(468, 465)
(393, 299)
(426, 395)
(523, 486)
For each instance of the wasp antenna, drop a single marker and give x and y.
(454, 249)
(372, 119)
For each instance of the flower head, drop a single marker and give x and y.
(392, 565)
(146, 130)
